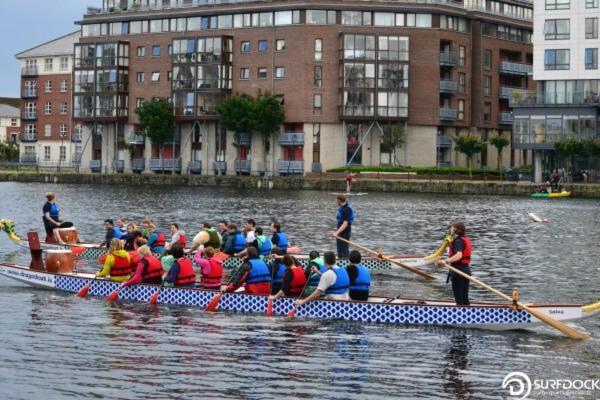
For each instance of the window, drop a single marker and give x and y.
(48, 64)
(280, 72)
(48, 108)
(48, 86)
(557, 29)
(318, 79)
(591, 58)
(557, 59)
(245, 47)
(591, 3)
(262, 73)
(591, 28)
(316, 17)
(63, 108)
(487, 85)
(263, 46)
(47, 130)
(47, 154)
(423, 21)
(13, 122)
(461, 110)
(31, 129)
(244, 73)
(352, 18)
(141, 77)
(384, 19)
(63, 85)
(155, 51)
(318, 49)
(62, 153)
(280, 45)
(63, 130)
(317, 103)
(487, 111)
(141, 52)
(64, 63)
(461, 82)
(317, 143)
(462, 52)
(393, 48)
(283, 18)
(155, 76)
(487, 59)
(559, 4)
(138, 102)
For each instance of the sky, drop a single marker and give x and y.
(28, 23)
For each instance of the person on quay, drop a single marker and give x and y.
(121, 225)
(148, 269)
(345, 218)
(177, 236)
(277, 269)
(313, 277)
(334, 283)
(222, 229)
(360, 277)
(131, 237)
(293, 280)
(254, 274)
(181, 273)
(51, 218)
(117, 264)
(279, 238)
(235, 241)
(112, 232)
(207, 237)
(460, 258)
(211, 268)
(156, 241)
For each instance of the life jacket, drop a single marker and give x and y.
(342, 283)
(214, 240)
(283, 241)
(363, 280)
(314, 277)
(466, 254)
(279, 272)
(239, 243)
(54, 211)
(121, 266)
(153, 268)
(134, 258)
(259, 272)
(340, 219)
(265, 247)
(116, 232)
(298, 281)
(123, 230)
(216, 273)
(160, 240)
(182, 240)
(186, 273)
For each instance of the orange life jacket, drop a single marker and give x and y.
(186, 273)
(466, 254)
(216, 274)
(298, 281)
(153, 268)
(121, 266)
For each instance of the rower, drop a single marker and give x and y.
(211, 268)
(313, 277)
(263, 243)
(334, 283)
(156, 240)
(117, 263)
(148, 270)
(208, 236)
(235, 242)
(111, 233)
(279, 238)
(360, 278)
(146, 228)
(181, 273)
(130, 237)
(121, 226)
(51, 218)
(254, 273)
(293, 280)
(222, 230)
(277, 269)
(249, 233)
(460, 258)
(177, 236)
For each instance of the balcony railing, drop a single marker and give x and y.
(28, 137)
(29, 93)
(29, 158)
(29, 115)
(448, 113)
(137, 138)
(291, 139)
(29, 71)
(96, 165)
(220, 166)
(447, 86)
(166, 164)
(195, 167)
(505, 118)
(443, 141)
(243, 139)
(449, 59)
(286, 167)
(515, 68)
(506, 92)
(523, 98)
(138, 164)
(118, 165)
(242, 166)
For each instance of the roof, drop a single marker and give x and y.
(11, 101)
(60, 46)
(7, 111)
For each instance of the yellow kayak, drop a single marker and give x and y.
(551, 195)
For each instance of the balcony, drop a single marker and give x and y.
(138, 164)
(515, 68)
(242, 166)
(506, 92)
(96, 165)
(448, 59)
(137, 138)
(29, 115)
(29, 158)
(443, 141)
(220, 167)
(28, 137)
(242, 139)
(195, 167)
(29, 94)
(291, 139)
(541, 99)
(447, 86)
(118, 165)
(29, 71)
(448, 113)
(166, 164)
(77, 137)
(289, 167)
(505, 118)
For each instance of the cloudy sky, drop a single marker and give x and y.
(28, 23)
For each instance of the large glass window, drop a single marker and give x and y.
(591, 28)
(283, 18)
(384, 19)
(591, 3)
(558, 59)
(393, 48)
(359, 47)
(183, 77)
(184, 50)
(591, 58)
(316, 17)
(209, 49)
(352, 18)
(359, 75)
(423, 21)
(558, 4)
(392, 76)
(392, 104)
(359, 103)
(557, 29)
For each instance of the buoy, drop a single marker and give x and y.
(537, 219)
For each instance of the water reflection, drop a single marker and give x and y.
(457, 362)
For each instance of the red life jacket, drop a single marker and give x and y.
(182, 240)
(186, 273)
(153, 268)
(213, 279)
(121, 266)
(466, 254)
(135, 259)
(298, 281)
(160, 240)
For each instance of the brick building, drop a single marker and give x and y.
(10, 122)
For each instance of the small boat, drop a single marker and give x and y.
(388, 310)
(545, 195)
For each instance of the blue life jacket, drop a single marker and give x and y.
(259, 272)
(117, 233)
(123, 230)
(283, 241)
(54, 211)
(363, 280)
(239, 243)
(278, 278)
(265, 248)
(340, 219)
(314, 277)
(342, 283)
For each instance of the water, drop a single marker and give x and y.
(56, 346)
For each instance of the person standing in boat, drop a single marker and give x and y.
(254, 274)
(345, 218)
(334, 283)
(360, 278)
(181, 273)
(293, 280)
(51, 218)
(148, 269)
(460, 258)
(117, 264)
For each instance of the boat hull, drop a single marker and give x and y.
(550, 195)
(376, 310)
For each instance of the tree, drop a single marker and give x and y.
(267, 116)
(156, 120)
(393, 138)
(499, 142)
(236, 114)
(469, 146)
(9, 152)
(568, 148)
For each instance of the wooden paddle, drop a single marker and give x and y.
(567, 330)
(398, 263)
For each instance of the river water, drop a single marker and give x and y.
(57, 346)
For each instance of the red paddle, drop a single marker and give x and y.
(292, 312)
(214, 302)
(154, 297)
(114, 295)
(83, 292)
(102, 259)
(270, 308)
(77, 250)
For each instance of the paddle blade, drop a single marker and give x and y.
(269, 308)
(83, 291)
(567, 330)
(214, 302)
(154, 298)
(113, 296)
(222, 256)
(77, 250)
(292, 312)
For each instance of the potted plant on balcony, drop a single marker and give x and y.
(156, 120)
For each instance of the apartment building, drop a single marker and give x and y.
(10, 122)
(566, 98)
(48, 136)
